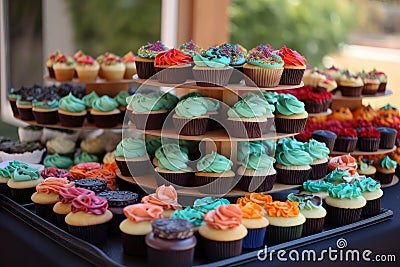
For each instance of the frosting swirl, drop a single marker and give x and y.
(291, 152)
(224, 217)
(261, 162)
(90, 204)
(206, 204)
(213, 58)
(66, 195)
(264, 59)
(121, 98)
(165, 196)
(317, 150)
(344, 190)
(306, 202)
(191, 48)
(235, 51)
(344, 162)
(85, 157)
(130, 148)
(282, 209)
(105, 104)
(90, 98)
(192, 215)
(316, 186)
(250, 109)
(367, 185)
(258, 198)
(336, 175)
(53, 185)
(291, 57)
(172, 57)
(251, 210)
(72, 103)
(55, 172)
(288, 104)
(171, 157)
(214, 162)
(25, 173)
(7, 171)
(192, 107)
(57, 161)
(387, 163)
(143, 212)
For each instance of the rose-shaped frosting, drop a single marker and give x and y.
(258, 198)
(143, 212)
(46, 104)
(130, 148)
(194, 216)
(53, 185)
(342, 191)
(57, 161)
(251, 210)
(171, 157)
(85, 157)
(165, 196)
(66, 195)
(129, 58)
(25, 173)
(90, 98)
(317, 150)
(264, 59)
(387, 163)
(224, 217)
(249, 109)
(316, 186)
(369, 132)
(72, 103)
(291, 57)
(79, 171)
(337, 174)
(191, 48)
(192, 107)
(291, 152)
(11, 166)
(345, 132)
(206, 204)
(151, 50)
(367, 184)
(286, 209)
(235, 51)
(55, 172)
(261, 162)
(288, 104)
(90, 204)
(306, 202)
(172, 57)
(104, 104)
(121, 98)
(214, 162)
(213, 58)
(344, 162)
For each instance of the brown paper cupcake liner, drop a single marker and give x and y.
(219, 250)
(170, 258)
(277, 235)
(372, 208)
(248, 129)
(257, 183)
(353, 91)
(313, 226)
(212, 185)
(194, 126)
(60, 218)
(144, 69)
(292, 76)
(26, 114)
(284, 125)
(14, 107)
(237, 75)
(106, 121)
(134, 168)
(46, 117)
(318, 171)
(384, 178)
(326, 104)
(382, 88)
(366, 91)
(95, 234)
(148, 121)
(51, 72)
(339, 216)
(212, 77)
(313, 106)
(344, 144)
(134, 245)
(292, 177)
(71, 121)
(387, 141)
(173, 75)
(46, 212)
(263, 77)
(213, 122)
(181, 179)
(368, 144)
(22, 196)
(329, 142)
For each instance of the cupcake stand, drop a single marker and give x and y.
(110, 253)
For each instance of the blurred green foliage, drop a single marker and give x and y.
(313, 28)
(116, 26)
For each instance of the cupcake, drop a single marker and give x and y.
(368, 139)
(344, 162)
(290, 114)
(344, 204)
(191, 116)
(25, 108)
(382, 79)
(5, 175)
(113, 69)
(214, 174)
(311, 207)
(57, 161)
(237, 54)
(87, 69)
(46, 196)
(165, 197)
(78, 54)
(246, 148)
(13, 96)
(346, 140)
(372, 192)
(371, 83)
(131, 157)
(31, 152)
(208, 203)
(45, 111)
(89, 218)
(172, 165)
(365, 169)
(121, 100)
(212, 68)
(88, 100)
(136, 226)
(80, 170)
(145, 59)
(350, 84)
(103, 174)
(223, 233)
(325, 136)
(105, 112)
(263, 69)
(319, 154)
(61, 146)
(130, 67)
(71, 111)
(258, 198)
(285, 222)
(256, 224)
(385, 169)
(316, 188)
(388, 137)
(50, 63)
(85, 157)
(64, 68)
(292, 162)
(172, 241)
(294, 67)
(191, 48)
(336, 176)
(313, 77)
(172, 66)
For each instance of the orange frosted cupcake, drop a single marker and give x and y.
(256, 224)
(344, 162)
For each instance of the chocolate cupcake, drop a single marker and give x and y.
(325, 136)
(105, 112)
(71, 111)
(237, 54)
(94, 184)
(172, 66)
(385, 169)
(294, 67)
(368, 139)
(24, 106)
(346, 140)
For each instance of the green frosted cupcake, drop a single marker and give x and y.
(131, 157)
(336, 176)
(191, 116)
(58, 161)
(290, 114)
(88, 100)
(45, 111)
(385, 170)
(121, 100)
(319, 152)
(316, 188)
(71, 111)
(372, 192)
(105, 112)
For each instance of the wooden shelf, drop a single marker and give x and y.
(328, 112)
(97, 82)
(361, 153)
(338, 95)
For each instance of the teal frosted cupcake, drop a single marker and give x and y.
(212, 68)
(372, 192)
(385, 169)
(45, 111)
(316, 188)
(246, 148)
(121, 100)
(57, 161)
(191, 116)
(173, 165)
(85, 157)
(145, 59)
(24, 106)
(336, 176)
(319, 152)
(71, 111)
(290, 114)
(131, 157)
(206, 204)
(105, 112)
(214, 174)
(191, 215)
(292, 162)
(88, 100)
(238, 54)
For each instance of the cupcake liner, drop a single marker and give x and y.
(254, 238)
(133, 168)
(237, 74)
(113, 75)
(71, 121)
(89, 117)
(218, 250)
(106, 121)
(369, 90)
(387, 140)
(145, 69)
(372, 208)
(247, 183)
(86, 76)
(353, 91)
(213, 185)
(312, 106)
(46, 212)
(129, 72)
(148, 121)
(212, 77)
(116, 220)
(134, 245)
(382, 87)
(338, 216)
(313, 226)
(64, 75)
(384, 178)
(329, 142)
(368, 144)
(181, 179)
(318, 171)
(286, 125)
(193, 126)
(326, 104)
(345, 144)
(292, 177)
(121, 116)
(51, 72)
(263, 77)
(292, 76)
(248, 129)
(276, 234)
(26, 114)
(46, 117)
(157, 257)
(14, 108)
(95, 234)
(60, 218)
(173, 75)
(213, 122)
(22, 196)
(5, 190)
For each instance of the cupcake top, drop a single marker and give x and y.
(151, 49)
(191, 215)
(64, 61)
(53, 185)
(78, 54)
(206, 204)
(251, 210)
(249, 109)
(387, 163)
(364, 166)
(111, 59)
(85, 157)
(66, 195)
(191, 48)
(380, 74)
(172, 57)
(72, 104)
(152, 101)
(306, 201)
(57, 161)
(172, 157)
(7, 171)
(288, 104)
(349, 79)
(90, 204)
(90, 98)
(317, 150)
(45, 104)
(121, 98)
(259, 162)
(285, 209)
(172, 229)
(55, 172)
(224, 217)
(129, 58)
(336, 175)
(316, 186)
(103, 174)
(214, 162)
(236, 53)
(264, 59)
(130, 148)
(212, 104)
(104, 104)
(213, 58)
(290, 152)
(25, 173)
(246, 148)
(86, 60)
(387, 130)
(344, 191)
(291, 57)
(52, 58)
(143, 212)
(258, 198)
(165, 197)
(367, 184)
(344, 162)
(60, 145)
(192, 107)
(369, 132)
(265, 48)
(324, 133)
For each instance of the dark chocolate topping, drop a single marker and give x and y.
(94, 184)
(119, 198)
(172, 228)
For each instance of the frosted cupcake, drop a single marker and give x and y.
(121, 100)
(64, 68)
(172, 66)
(372, 192)
(290, 114)
(191, 117)
(105, 112)
(316, 188)
(71, 111)
(145, 59)
(191, 215)
(385, 169)
(165, 197)
(130, 66)
(320, 154)
(294, 67)
(113, 69)
(206, 204)
(238, 54)
(45, 111)
(87, 69)
(50, 63)
(336, 176)
(350, 84)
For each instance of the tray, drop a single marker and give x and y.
(110, 253)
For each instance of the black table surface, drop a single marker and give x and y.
(20, 245)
